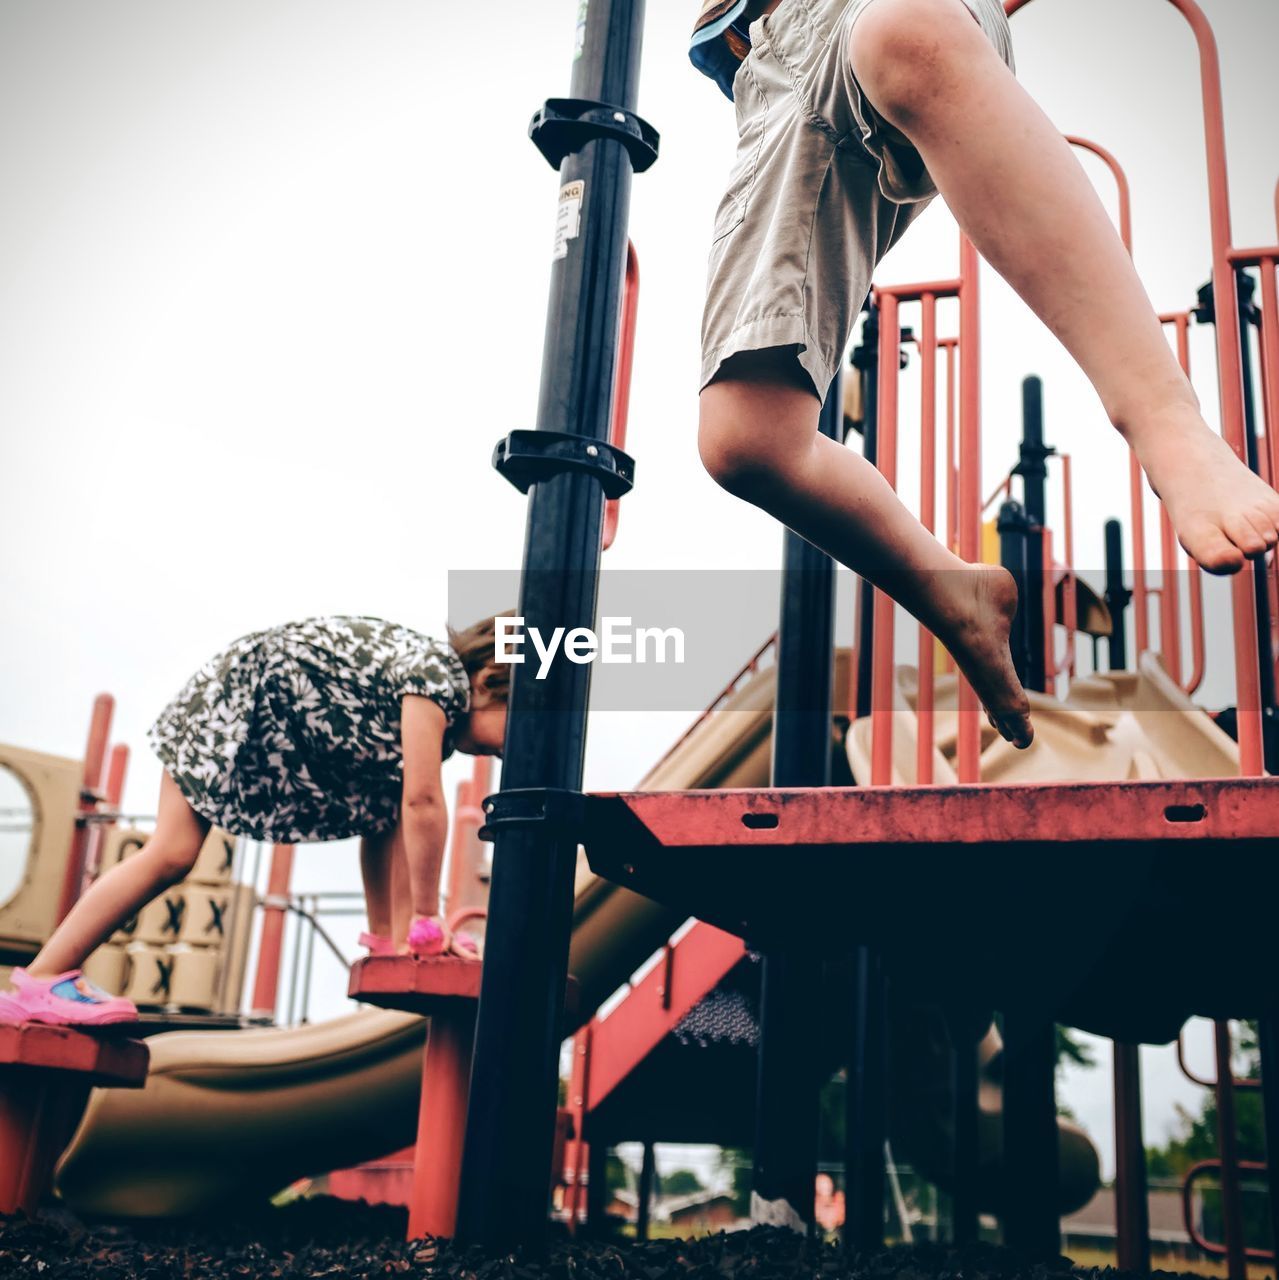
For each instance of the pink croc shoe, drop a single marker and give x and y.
(427, 938)
(66, 1000)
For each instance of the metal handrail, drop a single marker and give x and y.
(1216, 1248)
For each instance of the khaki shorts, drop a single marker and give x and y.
(821, 189)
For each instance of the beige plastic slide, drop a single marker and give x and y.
(1111, 727)
(240, 1114)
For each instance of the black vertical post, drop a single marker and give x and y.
(1030, 1166)
(1132, 1198)
(865, 1121)
(596, 1183)
(1247, 311)
(1033, 470)
(867, 360)
(1118, 597)
(964, 1209)
(1030, 1174)
(1268, 1042)
(866, 1082)
(644, 1204)
(510, 1132)
(1015, 533)
(788, 1085)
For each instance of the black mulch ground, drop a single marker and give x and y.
(325, 1238)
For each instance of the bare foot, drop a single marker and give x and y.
(976, 626)
(1222, 512)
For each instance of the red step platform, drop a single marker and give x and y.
(1052, 897)
(446, 990)
(45, 1077)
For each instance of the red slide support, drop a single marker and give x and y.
(609, 1048)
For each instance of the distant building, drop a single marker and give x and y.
(1094, 1224)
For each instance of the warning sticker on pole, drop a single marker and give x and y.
(568, 216)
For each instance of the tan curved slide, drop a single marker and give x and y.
(1111, 727)
(237, 1115)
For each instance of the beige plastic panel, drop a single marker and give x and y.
(149, 973)
(119, 843)
(193, 978)
(1112, 727)
(108, 966)
(52, 784)
(160, 921)
(207, 915)
(216, 861)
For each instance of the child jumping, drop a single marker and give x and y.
(851, 116)
(316, 730)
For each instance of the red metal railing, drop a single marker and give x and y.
(622, 381)
(1230, 369)
(95, 753)
(751, 666)
(1227, 1166)
(964, 499)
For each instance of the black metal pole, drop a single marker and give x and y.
(596, 1184)
(788, 1104)
(1118, 597)
(964, 1207)
(1030, 1173)
(865, 1121)
(1015, 534)
(1247, 310)
(644, 1204)
(510, 1133)
(1268, 1038)
(868, 366)
(1033, 470)
(1132, 1196)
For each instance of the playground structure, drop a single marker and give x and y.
(1134, 803)
(715, 854)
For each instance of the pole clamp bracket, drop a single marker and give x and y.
(566, 125)
(555, 809)
(525, 457)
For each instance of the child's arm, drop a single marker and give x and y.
(423, 812)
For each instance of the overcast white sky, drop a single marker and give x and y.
(273, 280)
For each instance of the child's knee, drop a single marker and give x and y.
(170, 863)
(751, 434)
(899, 50)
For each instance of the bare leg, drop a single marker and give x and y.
(121, 892)
(375, 873)
(1021, 196)
(401, 896)
(758, 437)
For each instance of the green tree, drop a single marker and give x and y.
(1196, 1139)
(735, 1171)
(681, 1182)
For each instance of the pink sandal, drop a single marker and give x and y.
(464, 945)
(65, 1000)
(427, 939)
(377, 945)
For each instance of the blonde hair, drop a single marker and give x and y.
(476, 645)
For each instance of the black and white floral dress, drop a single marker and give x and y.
(293, 734)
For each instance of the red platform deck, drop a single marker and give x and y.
(96, 1059)
(1064, 897)
(45, 1077)
(415, 986)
